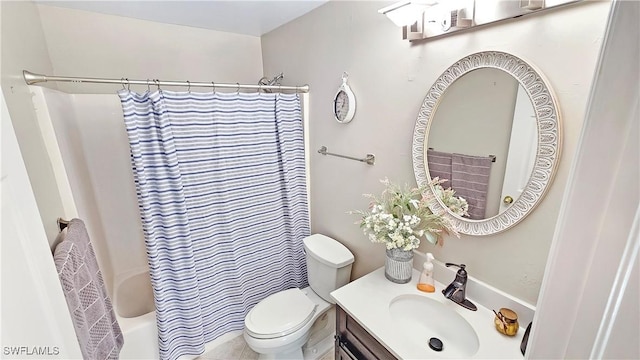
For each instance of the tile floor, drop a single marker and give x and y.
(237, 349)
(234, 349)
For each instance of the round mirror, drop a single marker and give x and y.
(489, 125)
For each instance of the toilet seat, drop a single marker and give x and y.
(280, 314)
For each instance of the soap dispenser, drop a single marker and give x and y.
(426, 282)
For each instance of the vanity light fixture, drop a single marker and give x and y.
(417, 17)
(422, 19)
(531, 4)
(406, 13)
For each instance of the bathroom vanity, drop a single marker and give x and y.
(378, 319)
(353, 341)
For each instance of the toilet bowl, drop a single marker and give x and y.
(278, 326)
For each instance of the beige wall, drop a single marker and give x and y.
(87, 44)
(24, 47)
(390, 77)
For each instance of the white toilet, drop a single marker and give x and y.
(278, 326)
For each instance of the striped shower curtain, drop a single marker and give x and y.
(221, 188)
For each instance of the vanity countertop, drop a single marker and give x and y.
(368, 299)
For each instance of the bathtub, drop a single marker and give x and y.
(135, 311)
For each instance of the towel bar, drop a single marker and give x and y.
(369, 159)
(62, 223)
(493, 157)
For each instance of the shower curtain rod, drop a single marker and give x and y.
(31, 78)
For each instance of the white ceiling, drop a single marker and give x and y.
(248, 17)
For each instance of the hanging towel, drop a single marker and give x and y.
(91, 311)
(439, 164)
(470, 180)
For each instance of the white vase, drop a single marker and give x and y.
(398, 265)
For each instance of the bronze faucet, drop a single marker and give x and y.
(457, 289)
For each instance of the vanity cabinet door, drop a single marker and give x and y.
(354, 342)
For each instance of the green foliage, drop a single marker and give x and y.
(401, 216)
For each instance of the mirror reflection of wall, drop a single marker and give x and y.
(475, 117)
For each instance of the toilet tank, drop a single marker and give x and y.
(328, 264)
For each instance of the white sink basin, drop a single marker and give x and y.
(421, 318)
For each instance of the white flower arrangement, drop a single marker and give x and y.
(457, 204)
(401, 217)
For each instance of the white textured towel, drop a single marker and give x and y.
(91, 311)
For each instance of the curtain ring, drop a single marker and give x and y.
(122, 82)
(148, 86)
(128, 84)
(214, 87)
(238, 89)
(189, 87)
(157, 82)
(259, 89)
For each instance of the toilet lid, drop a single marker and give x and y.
(280, 314)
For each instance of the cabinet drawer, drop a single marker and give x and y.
(357, 340)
